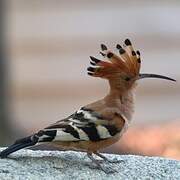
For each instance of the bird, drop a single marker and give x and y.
(102, 123)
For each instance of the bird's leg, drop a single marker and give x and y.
(108, 160)
(97, 163)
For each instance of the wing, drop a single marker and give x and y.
(83, 125)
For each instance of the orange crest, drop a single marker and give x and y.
(127, 62)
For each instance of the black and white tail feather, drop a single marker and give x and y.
(83, 125)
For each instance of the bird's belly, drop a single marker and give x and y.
(89, 146)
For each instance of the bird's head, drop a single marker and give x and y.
(122, 70)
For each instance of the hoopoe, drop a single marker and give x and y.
(102, 123)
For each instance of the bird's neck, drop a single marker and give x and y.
(123, 100)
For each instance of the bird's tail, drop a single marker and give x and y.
(19, 144)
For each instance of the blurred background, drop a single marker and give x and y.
(44, 52)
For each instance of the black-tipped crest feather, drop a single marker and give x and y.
(122, 51)
(118, 46)
(103, 47)
(127, 42)
(94, 59)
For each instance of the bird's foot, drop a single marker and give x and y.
(107, 170)
(115, 160)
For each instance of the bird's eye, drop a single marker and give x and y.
(127, 78)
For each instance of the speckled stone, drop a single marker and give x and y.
(68, 165)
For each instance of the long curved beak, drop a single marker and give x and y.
(141, 76)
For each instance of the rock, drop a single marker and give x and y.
(68, 165)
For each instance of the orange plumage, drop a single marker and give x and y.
(127, 62)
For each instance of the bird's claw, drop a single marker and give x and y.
(115, 160)
(108, 170)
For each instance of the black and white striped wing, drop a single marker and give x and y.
(83, 125)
